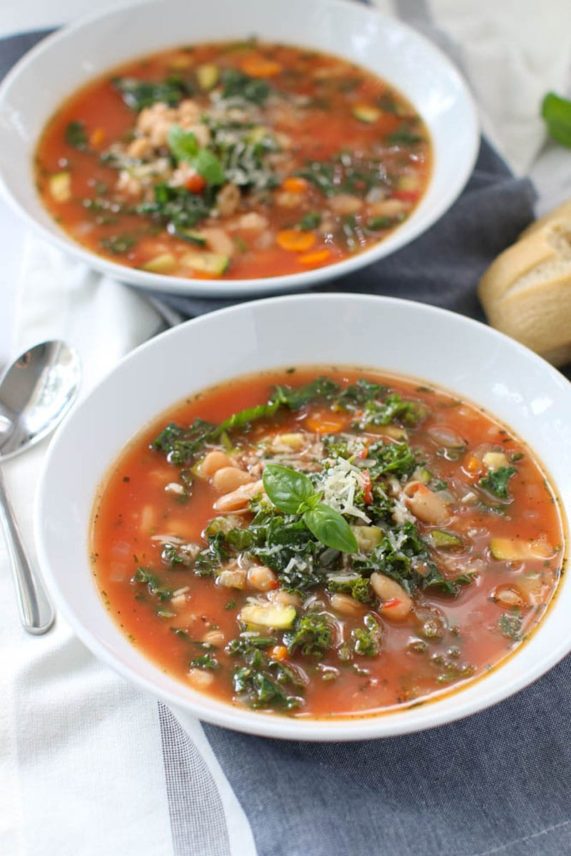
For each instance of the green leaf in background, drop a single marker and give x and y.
(556, 112)
(288, 490)
(331, 528)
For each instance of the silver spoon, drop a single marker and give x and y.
(36, 391)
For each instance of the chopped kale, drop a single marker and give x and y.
(236, 84)
(496, 481)
(310, 220)
(366, 640)
(181, 445)
(153, 583)
(392, 409)
(138, 94)
(206, 662)
(76, 135)
(357, 394)
(396, 459)
(211, 558)
(404, 137)
(176, 207)
(311, 635)
(258, 690)
(357, 587)
(321, 389)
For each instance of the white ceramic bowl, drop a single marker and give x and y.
(398, 336)
(66, 60)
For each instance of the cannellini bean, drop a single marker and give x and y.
(425, 504)
(228, 199)
(344, 203)
(286, 598)
(239, 498)
(345, 604)
(235, 578)
(388, 208)
(262, 578)
(139, 148)
(219, 241)
(200, 679)
(213, 462)
(252, 222)
(285, 199)
(229, 478)
(214, 637)
(395, 602)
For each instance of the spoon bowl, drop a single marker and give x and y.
(36, 392)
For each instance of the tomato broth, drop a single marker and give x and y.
(345, 543)
(233, 160)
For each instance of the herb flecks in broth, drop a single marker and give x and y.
(233, 161)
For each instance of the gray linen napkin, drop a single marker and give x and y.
(496, 783)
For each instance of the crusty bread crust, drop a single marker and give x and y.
(526, 291)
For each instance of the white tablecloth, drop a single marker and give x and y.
(81, 767)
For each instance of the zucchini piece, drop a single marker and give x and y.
(207, 75)
(445, 540)
(516, 550)
(275, 615)
(163, 263)
(60, 186)
(365, 113)
(191, 236)
(368, 537)
(212, 263)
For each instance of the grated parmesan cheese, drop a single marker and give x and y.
(340, 482)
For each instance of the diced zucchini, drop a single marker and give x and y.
(163, 263)
(275, 615)
(212, 263)
(366, 113)
(516, 550)
(422, 474)
(409, 183)
(368, 537)
(494, 460)
(207, 75)
(60, 186)
(191, 236)
(445, 540)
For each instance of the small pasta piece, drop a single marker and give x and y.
(509, 596)
(262, 578)
(211, 463)
(395, 604)
(286, 598)
(425, 504)
(199, 679)
(345, 604)
(227, 479)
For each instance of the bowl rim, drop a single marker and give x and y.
(368, 726)
(224, 288)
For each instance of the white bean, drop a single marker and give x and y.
(239, 498)
(261, 578)
(227, 479)
(395, 602)
(345, 604)
(211, 463)
(425, 504)
(200, 679)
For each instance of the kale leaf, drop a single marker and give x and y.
(496, 481)
(312, 635)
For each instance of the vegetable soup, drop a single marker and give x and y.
(235, 160)
(326, 542)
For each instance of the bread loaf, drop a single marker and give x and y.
(526, 291)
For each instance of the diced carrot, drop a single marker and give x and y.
(472, 464)
(97, 137)
(295, 184)
(316, 258)
(295, 241)
(326, 422)
(259, 66)
(406, 195)
(195, 183)
(278, 652)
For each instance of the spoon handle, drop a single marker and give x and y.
(36, 612)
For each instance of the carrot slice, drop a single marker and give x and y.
(294, 184)
(295, 241)
(259, 66)
(326, 422)
(97, 137)
(278, 652)
(316, 258)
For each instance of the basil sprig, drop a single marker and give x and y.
(184, 146)
(293, 493)
(556, 112)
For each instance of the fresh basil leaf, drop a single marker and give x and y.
(209, 167)
(183, 144)
(288, 490)
(331, 528)
(557, 114)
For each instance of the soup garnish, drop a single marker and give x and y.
(233, 160)
(327, 543)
